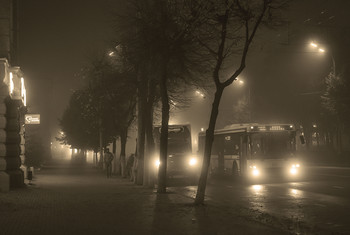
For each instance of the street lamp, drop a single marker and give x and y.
(201, 94)
(322, 50)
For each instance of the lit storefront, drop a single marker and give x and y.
(12, 141)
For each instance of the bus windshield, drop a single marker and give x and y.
(179, 139)
(269, 145)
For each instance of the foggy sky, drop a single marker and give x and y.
(56, 37)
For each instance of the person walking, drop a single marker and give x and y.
(129, 166)
(108, 157)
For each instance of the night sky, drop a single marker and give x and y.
(57, 37)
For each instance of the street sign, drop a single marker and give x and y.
(32, 119)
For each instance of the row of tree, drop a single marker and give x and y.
(163, 48)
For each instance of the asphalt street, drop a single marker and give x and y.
(320, 199)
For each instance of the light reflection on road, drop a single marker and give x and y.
(315, 201)
(257, 188)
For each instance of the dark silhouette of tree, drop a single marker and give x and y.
(232, 27)
(336, 103)
(104, 108)
(155, 37)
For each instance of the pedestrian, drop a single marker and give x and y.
(129, 166)
(108, 158)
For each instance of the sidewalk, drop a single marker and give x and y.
(81, 200)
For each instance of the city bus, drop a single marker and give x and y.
(180, 162)
(255, 151)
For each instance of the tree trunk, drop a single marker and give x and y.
(209, 137)
(149, 174)
(164, 131)
(117, 167)
(101, 165)
(141, 99)
(123, 140)
(149, 169)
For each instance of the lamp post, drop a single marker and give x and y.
(241, 82)
(322, 50)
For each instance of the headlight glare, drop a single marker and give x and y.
(254, 170)
(193, 161)
(293, 171)
(157, 163)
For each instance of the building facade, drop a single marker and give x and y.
(12, 101)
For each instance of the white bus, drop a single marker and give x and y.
(180, 161)
(253, 150)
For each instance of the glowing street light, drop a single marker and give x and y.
(200, 93)
(322, 50)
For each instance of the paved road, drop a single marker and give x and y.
(81, 200)
(320, 200)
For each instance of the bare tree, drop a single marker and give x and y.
(236, 23)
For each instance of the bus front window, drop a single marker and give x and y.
(272, 144)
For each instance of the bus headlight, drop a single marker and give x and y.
(156, 163)
(254, 170)
(193, 161)
(294, 169)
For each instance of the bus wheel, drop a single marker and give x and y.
(235, 168)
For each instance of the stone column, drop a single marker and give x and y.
(11, 126)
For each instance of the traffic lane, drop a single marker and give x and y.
(328, 180)
(316, 203)
(326, 172)
(283, 201)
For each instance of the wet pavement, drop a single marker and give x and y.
(318, 204)
(70, 199)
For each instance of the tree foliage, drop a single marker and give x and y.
(336, 98)
(107, 103)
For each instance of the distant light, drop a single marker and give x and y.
(241, 82)
(321, 50)
(202, 129)
(111, 53)
(23, 92)
(313, 44)
(200, 93)
(314, 125)
(12, 85)
(75, 150)
(291, 126)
